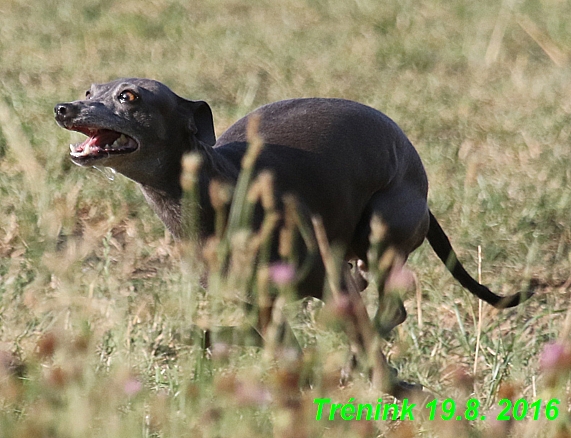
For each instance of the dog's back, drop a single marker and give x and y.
(333, 154)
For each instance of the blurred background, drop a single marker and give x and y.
(93, 300)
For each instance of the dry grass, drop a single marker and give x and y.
(96, 300)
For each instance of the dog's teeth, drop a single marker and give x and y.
(122, 139)
(73, 151)
(87, 150)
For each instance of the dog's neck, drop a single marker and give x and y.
(166, 206)
(167, 203)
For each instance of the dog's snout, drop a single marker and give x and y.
(64, 111)
(60, 109)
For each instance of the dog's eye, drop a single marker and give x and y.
(127, 96)
(88, 94)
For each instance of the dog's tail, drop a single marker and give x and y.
(441, 245)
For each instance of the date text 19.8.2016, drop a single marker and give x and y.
(448, 409)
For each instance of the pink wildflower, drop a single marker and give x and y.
(282, 273)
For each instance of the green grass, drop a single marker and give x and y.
(96, 300)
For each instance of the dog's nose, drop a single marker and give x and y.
(64, 111)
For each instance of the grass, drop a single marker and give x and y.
(96, 300)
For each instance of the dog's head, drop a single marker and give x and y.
(138, 127)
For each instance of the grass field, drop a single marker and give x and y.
(96, 299)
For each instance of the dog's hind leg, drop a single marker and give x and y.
(393, 224)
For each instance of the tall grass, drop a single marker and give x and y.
(97, 302)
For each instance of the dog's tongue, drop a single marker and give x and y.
(96, 142)
(102, 138)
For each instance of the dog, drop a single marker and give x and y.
(343, 161)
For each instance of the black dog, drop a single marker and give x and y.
(343, 161)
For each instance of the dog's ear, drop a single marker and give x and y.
(200, 121)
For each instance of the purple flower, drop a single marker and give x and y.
(282, 273)
(400, 279)
(555, 357)
(132, 386)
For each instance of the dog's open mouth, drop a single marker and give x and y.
(102, 143)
